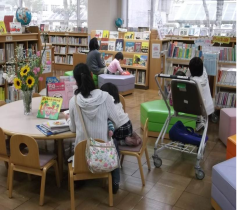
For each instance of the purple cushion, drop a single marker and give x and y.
(130, 148)
(45, 158)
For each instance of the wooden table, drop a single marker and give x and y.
(13, 121)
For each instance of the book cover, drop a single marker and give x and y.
(7, 20)
(204, 31)
(136, 60)
(57, 90)
(171, 31)
(129, 61)
(146, 35)
(105, 34)
(129, 35)
(58, 123)
(119, 44)
(138, 35)
(191, 31)
(143, 60)
(104, 44)
(137, 46)
(2, 28)
(111, 45)
(130, 46)
(108, 58)
(145, 47)
(42, 27)
(176, 32)
(50, 107)
(44, 130)
(113, 35)
(99, 33)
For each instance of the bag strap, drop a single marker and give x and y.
(82, 121)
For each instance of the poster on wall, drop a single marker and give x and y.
(155, 50)
(46, 61)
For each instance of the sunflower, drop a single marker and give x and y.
(30, 81)
(24, 70)
(17, 83)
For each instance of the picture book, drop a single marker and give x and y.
(2, 28)
(15, 28)
(98, 33)
(137, 46)
(104, 44)
(50, 107)
(119, 44)
(136, 60)
(143, 60)
(7, 20)
(129, 61)
(108, 58)
(44, 130)
(146, 35)
(105, 34)
(191, 31)
(145, 47)
(58, 123)
(203, 31)
(51, 80)
(138, 35)
(129, 35)
(42, 27)
(183, 31)
(130, 46)
(113, 35)
(171, 31)
(176, 32)
(111, 45)
(54, 130)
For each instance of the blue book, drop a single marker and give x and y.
(130, 46)
(43, 130)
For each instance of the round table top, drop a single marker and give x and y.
(13, 121)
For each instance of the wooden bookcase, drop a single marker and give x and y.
(135, 69)
(27, 39)
(67, 36)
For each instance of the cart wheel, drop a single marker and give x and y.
(200, 174)
(214, 118)
(157, 161)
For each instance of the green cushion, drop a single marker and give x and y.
(68, 73)
(157, 113)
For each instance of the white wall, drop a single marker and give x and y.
(102, 14)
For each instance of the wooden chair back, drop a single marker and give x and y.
(79, 58)
(2, 102)
(36, 95)
(80, 163)
(122, 100)
(145, 136)
(3, 149)
(30, 159)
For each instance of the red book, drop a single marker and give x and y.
(7, 20)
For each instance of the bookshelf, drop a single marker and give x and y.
(141, 73)
(65, 45)
(8, 43)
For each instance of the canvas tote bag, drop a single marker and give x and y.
(101, 157)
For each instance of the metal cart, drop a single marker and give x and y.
(186, 99)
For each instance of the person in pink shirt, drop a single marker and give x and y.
(115, 64)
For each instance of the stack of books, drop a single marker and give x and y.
(225, 100)
(227, 77)
(228, 54)
(53, 127)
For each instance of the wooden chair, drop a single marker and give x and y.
(2, 102)
(122, 100)
(81, 172)
(4, 156)
(31, 162)
(138, 151)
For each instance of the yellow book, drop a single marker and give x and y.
(136, 60)
(129, 35)
(50, 108)
(2, 27)
(145, 47)
(105, 34)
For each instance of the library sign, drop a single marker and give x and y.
(203, 41)
(221, 39)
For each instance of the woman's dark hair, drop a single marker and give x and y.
(180, 73)
(196, 67)
(84, 80)
(93, 44)
(119, 56)
(112, 90)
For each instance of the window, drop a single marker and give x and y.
(45, 7)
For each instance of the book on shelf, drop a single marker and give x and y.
(143, 60)
(138, 35)
(204, 31)
(107, 58)
(136, 60)
(2, 27)
(144, 47)
(105, 34)
(225, 100)
(70, 59)
(132, 71)
(111, 45)
(127, 61)
(60, 59)
(137, 46)
(171, 70)
(9, 47)
(8, 19)
(99, 33)
(140, 77)
(130, 46)
(113, 34)
(226, 77)
(2, 55)
(129, 35)
(170, 30)
(57, 40)
(228, 54)
(146, 35)
(2, 94)
(196, 31)
(119, 44)
(15, 28)
(77, 41)
(104, 44)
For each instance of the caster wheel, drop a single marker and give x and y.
(157, 161)
(214, 118)
(200, 174)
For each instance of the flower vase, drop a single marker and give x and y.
(27, 101)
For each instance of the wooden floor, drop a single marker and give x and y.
(172, 187)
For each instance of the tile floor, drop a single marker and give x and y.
(171, 187)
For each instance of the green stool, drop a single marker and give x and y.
(95, 77)
(157, 113)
